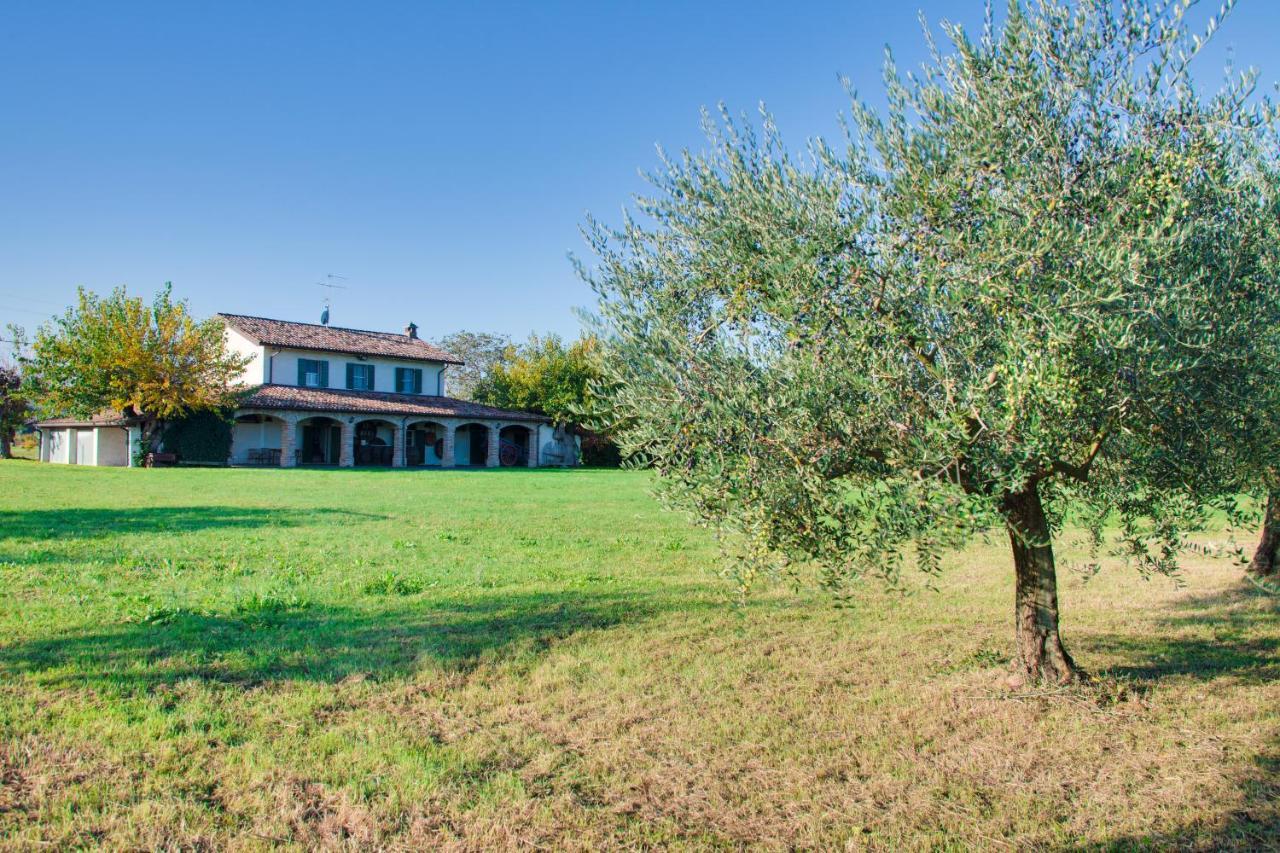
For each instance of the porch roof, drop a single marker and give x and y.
(297, 398)
(107, 417)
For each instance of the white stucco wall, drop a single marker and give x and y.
(283, 369)
(113, 447)
(104, 446)
(249, 436)
(256, 371)
(57, 446)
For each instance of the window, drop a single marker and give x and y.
(408, 380)
(313, 373)
(360, 377)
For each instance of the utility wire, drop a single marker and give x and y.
(26, 310)
(24, 298)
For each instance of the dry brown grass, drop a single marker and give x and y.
(792, 730)
(785, 724)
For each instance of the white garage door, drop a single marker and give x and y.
(84, 447)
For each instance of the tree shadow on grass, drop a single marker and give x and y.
(316, 644)
(1242, 626)
(1243, 644)
(90, 523)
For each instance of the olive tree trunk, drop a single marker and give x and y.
(1040, 656)
(1263, 563)
(6, 444)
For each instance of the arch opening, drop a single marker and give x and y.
(373, 442)
(471, 445)
(424, 444)
(256, 440)
(513, 445)
(319, 441)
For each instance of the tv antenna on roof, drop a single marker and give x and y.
(329, 285)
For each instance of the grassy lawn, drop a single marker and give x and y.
(546, 659)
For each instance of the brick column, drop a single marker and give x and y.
(446, 452)
(532, 461)
(288, 441)
(397, 446)
(346, 450)
(491, 458)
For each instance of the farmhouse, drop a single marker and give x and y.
(328, 396)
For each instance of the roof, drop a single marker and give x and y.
(297, 398)
(103, 418)
(285, 333)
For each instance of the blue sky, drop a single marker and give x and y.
(440, 156)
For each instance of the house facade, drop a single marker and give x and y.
(318, 395)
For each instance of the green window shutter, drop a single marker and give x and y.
(324, 374)
(351, 376)
(408, 380)
(369, 371)
(302, 371)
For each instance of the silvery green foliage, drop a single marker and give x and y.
(1049, 262)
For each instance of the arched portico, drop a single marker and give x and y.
(319, 441)
(374, 442)
(424, 444)
(257, 439)
(515, 444)
(471, 445)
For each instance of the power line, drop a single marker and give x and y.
(24, 298)
(26, 310)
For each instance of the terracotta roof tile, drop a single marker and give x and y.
(284, 333)
(297, 398)
(104, 418)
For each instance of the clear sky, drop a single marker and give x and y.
(440, 156)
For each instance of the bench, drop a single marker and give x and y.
(157, 460)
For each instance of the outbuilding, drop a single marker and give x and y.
(108, 439)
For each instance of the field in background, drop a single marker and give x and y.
(26, 448)
(546, 659)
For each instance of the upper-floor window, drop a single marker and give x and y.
(408, 380)
(313, 373)
(360, 377)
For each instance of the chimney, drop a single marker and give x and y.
(411, 331)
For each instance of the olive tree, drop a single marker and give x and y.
(1035, 281)
(1263, 562)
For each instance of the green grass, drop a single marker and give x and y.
(544, 658)
(25, 450)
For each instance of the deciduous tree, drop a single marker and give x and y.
(15, 408)
(117, 352)
(543, 375)
(480, 352)
(1039, 279)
